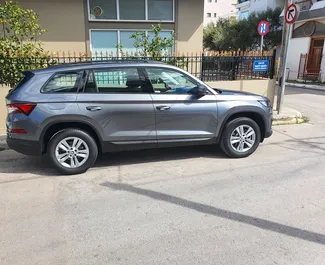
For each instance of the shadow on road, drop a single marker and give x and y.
(233, 216)
(314, 145)
(17, 163)
(296, 91)
(157, 155)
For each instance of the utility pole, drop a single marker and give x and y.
(284, 41)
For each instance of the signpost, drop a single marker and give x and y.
(290, 17)
(263, 28)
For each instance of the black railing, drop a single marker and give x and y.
(204, 67)
(310, 67)
(236, 67)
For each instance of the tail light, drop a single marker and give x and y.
(18, 131)
(25, 108)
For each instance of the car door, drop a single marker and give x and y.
(180, 115)
(118, 100)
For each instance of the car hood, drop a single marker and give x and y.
(233, 92)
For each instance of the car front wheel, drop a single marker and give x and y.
(72, 151)
(240, 138)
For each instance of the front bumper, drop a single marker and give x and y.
(25, 147)
(268, 134)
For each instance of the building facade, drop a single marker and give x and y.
(215, 9)
(102, 25)
(246, 7)
(306, 58)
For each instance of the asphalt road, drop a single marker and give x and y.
(174, 206)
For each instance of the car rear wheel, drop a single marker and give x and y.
(241, 138)
(72, 151)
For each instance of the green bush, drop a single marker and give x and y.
(20, 48)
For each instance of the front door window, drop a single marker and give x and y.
(169, 81)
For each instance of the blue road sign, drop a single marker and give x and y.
(261, 66)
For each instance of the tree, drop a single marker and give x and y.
(155, 46)
(231, 34)
(19, 34)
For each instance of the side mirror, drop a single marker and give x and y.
(200, 90)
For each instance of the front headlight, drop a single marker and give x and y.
(265, 103)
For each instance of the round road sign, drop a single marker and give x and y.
(263, 28)
(291, 14)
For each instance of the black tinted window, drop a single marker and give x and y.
(124, 80)
(67, 82)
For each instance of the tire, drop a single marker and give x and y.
(231, 134)
(77, 150)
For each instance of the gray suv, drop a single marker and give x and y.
(73, 112)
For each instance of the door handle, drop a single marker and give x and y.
(162, 108)
(94, 108)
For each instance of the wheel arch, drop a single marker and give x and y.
(54, 127)
(252, 114)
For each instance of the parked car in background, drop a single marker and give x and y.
(73, 112)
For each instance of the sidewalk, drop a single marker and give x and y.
(307, 86)
(287, 116)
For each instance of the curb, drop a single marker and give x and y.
(311, 87)
(3, 144)
(289, 120)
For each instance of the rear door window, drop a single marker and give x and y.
(116, 80)
(66, 82)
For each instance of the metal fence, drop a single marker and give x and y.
(310, 67)
(207, 67)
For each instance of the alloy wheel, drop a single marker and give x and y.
(243, 138)
(72, 152)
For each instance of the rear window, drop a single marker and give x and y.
(27, 76)
(66, 82)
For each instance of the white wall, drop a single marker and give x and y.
(222, 8)
(297, 47)
(322, 68)
(261, 5)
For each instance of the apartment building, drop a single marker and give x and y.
(215, 9)
(306, 58)
(246, 7)
(99, 25)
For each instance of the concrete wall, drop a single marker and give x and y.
(64, 22)
(297, 47)
(189, 25)
(3, 110)
(260, 87)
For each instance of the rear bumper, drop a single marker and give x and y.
(25, 147)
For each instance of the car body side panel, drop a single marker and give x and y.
(123, 118)
(235, 104)
(188, 117)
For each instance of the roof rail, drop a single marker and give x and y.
(136, 60)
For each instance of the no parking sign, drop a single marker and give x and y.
(263, 28)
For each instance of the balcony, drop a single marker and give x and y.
(309, 9)
(304, 5)
(243, 4)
